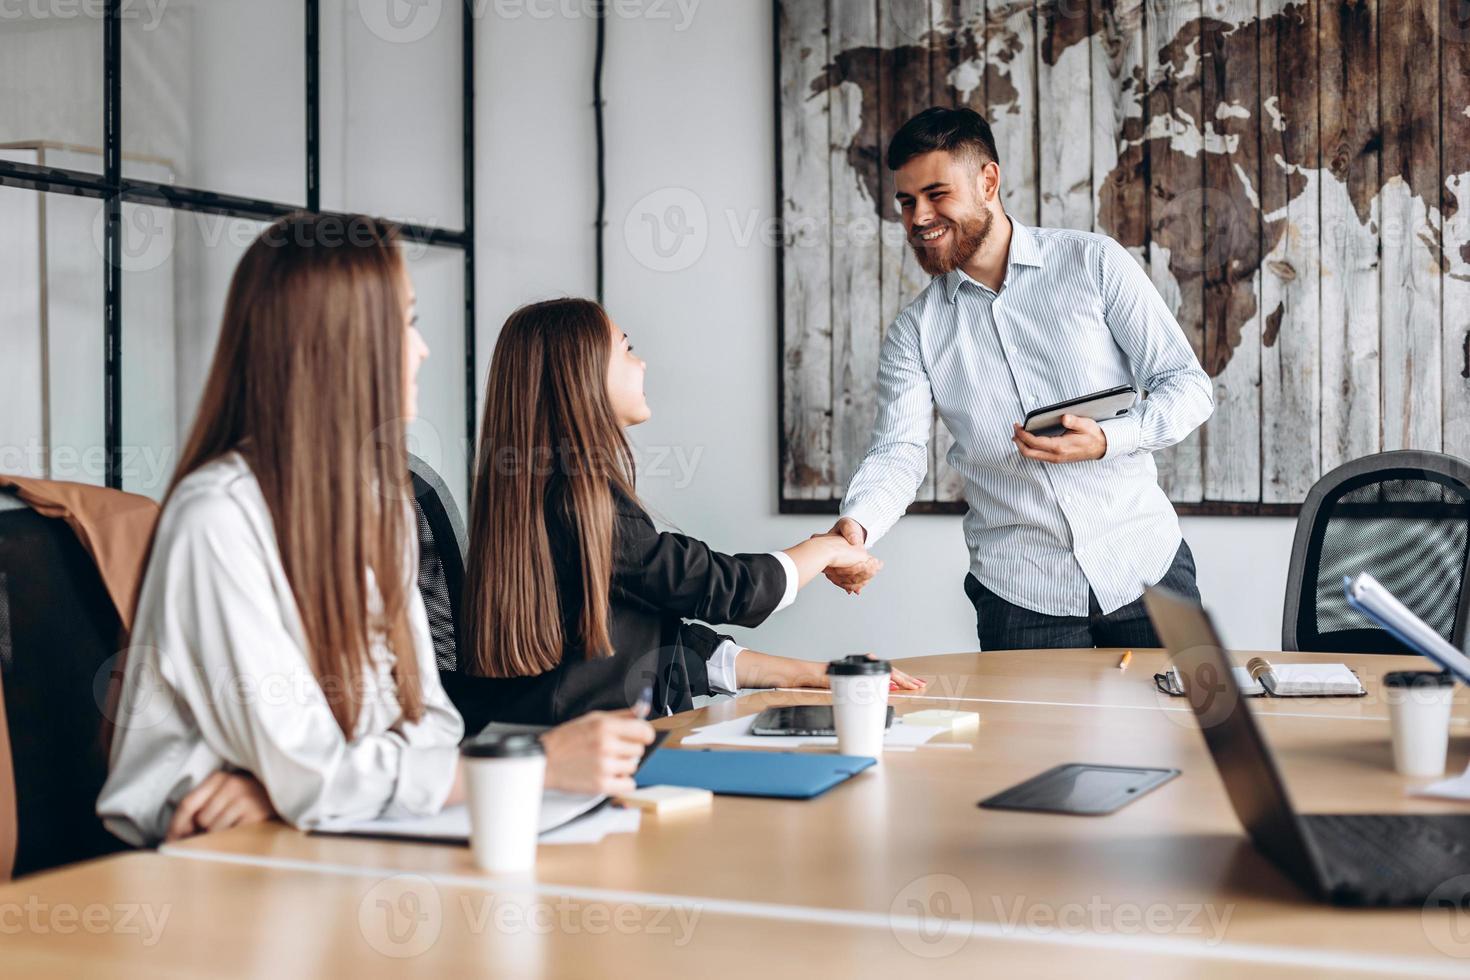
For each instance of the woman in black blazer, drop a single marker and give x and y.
(574, 600)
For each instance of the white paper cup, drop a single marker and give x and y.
(860, 704)
(503, 780)
(1419, 713)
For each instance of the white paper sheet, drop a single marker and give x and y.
(1454, 788)
(592, 828)
(737, 732)
(452, 824)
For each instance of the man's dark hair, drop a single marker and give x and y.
(957, 130)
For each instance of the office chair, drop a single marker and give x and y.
(441, 560)
(59, 632)
(1403, 517)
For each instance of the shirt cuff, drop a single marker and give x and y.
(425, 777)
(793, 580)
(1122, 433)
(721, 667)
(869, 519)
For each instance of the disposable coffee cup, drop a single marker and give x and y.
(1419, 713)
(860, 704)
(503, 779)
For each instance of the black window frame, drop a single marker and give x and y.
(114, 190)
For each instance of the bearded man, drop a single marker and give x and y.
(1064, 532)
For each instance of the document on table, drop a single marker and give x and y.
(1454, 788)
(737, 732)
(559, 823)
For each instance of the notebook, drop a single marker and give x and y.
(452, 824)
(1261, 677)
(787, 775)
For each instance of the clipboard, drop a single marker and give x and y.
(783, 775)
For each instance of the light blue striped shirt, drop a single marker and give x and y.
(1075, 314)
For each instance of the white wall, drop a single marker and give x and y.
(690, 121)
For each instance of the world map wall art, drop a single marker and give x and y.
(1292, 175)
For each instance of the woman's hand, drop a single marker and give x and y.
(222, 801)
(821, 552)
(754, 669)
(596, 753)
(852, 578)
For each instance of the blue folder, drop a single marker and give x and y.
(789, 775)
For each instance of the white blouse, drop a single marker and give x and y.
(218, 676)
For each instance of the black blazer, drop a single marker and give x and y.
(659, 579)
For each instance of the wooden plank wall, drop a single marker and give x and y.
(1293, 174)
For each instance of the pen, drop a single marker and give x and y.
(1125, 660)
(644, 704)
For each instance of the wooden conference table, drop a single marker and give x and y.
(895, 872)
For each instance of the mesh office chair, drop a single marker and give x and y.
(1404, 518)
(441, 560)
(58, 634)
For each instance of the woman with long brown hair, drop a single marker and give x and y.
(281, 661)
(574, 599)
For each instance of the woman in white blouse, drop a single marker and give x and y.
(280, 662)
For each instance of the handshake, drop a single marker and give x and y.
(850, 567)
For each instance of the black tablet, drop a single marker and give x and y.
(1098, 406)
(1079, 788)
(801, 719)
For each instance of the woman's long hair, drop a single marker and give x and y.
(547, 418)
(307, 384)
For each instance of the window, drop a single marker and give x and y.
(167, 136)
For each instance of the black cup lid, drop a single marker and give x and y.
(502, 747)
(1418, 678)
(857, 664)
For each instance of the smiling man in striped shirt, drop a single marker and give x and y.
(1066, 532)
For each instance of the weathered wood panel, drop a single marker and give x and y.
(1173, 127)
(855, 167)
(1293, 174)
(1231, 263)
(903, 89)
(1455, 207)
(1119, 151)
(1291, 389)
(807, 255)
(1348, 52)
(1010, 93)
(1064, 112)
(957, 73)
(1409, 283)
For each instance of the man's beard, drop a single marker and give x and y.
(965, 240)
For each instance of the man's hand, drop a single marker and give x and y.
(222, 801)
(853, 577)
(1084, 439)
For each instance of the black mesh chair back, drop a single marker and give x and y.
(441, 560)
(59, 633)
(1404, 518)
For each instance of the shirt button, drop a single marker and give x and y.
(1012, 348)
(1067, 498)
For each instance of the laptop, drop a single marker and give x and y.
(1346, 859)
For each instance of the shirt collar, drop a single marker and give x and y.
(1023, 251)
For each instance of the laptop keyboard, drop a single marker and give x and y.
(1389, 859)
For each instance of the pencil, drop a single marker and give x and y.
(1125, 660)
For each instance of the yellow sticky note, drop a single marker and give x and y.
(955, 721)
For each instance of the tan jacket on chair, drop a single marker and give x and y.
(115, 528)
